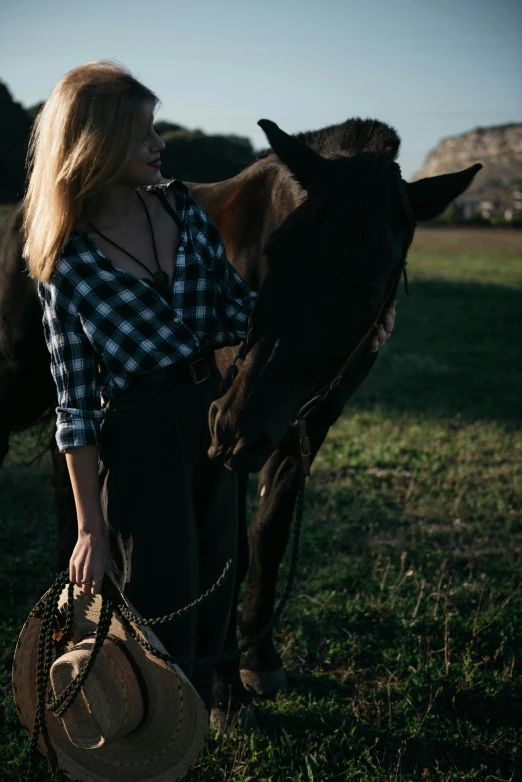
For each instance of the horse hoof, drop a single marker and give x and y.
(265, 682)
(244, 718)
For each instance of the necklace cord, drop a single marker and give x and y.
(126, 251)
(151, 230)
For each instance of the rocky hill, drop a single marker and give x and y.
(498, 186)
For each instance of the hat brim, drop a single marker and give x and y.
(172, 734)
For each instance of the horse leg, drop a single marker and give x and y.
(261, 668)
(230, 695)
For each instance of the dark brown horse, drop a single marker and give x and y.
(316, 226)
(327, 231)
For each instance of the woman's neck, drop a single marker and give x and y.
(114, 205)
(112, 208)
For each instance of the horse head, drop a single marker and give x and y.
(329, 263)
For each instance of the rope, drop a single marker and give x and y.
(113, 603)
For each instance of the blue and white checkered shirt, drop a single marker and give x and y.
(103, 325)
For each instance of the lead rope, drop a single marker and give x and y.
(113, 603)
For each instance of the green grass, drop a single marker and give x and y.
(402, 638)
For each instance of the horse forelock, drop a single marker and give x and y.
(353, 137)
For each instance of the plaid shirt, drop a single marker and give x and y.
(103, 325)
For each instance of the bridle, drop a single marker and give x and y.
(299, 425)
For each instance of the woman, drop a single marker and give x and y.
(137, 293)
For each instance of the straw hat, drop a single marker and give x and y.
(136, 718)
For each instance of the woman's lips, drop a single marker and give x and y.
(155, 163)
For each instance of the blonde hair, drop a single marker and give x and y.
(81, 141)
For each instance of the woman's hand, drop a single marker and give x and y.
(384, 330)
(89, 561)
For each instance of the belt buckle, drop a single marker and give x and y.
(193, 371)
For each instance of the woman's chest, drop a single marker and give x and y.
(141, 250)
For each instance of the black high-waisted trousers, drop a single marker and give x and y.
(169, 512)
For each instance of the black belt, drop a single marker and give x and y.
(196, 369)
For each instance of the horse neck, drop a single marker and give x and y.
(246, 210)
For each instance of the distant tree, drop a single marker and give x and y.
(477, 218)
(452, 215)
(196, 157)
(164, 126)
(14, 133)
(32, 111)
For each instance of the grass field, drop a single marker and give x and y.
(402, 639)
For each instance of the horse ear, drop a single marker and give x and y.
(303, 162)
(429, 197)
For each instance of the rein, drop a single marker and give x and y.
(53, 637)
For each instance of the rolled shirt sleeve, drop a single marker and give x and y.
(74, 369)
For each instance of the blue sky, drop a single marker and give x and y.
(430, 69)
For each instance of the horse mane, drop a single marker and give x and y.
(346, 139)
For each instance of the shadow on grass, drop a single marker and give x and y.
(455, 352)
(463, 735)
(392, 597)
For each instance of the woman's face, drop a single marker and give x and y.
(143, 167)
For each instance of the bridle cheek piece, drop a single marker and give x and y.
(298, 429)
